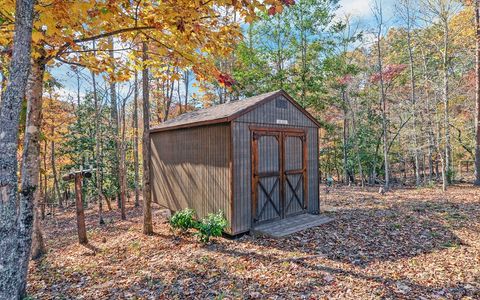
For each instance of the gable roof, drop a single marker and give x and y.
(225, 112)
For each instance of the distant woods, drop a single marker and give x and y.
(397, 96)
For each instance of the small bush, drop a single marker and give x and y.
(211, 226)
(183, 220)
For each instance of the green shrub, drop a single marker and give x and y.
(211, 226)
(183, 220)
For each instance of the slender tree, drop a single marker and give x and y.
(16, 222)
(409, 19)
(98, 134)
(118, 168)
(31, 156)
(477, 93)
(378, 13)
(147, 194)
(135, 139)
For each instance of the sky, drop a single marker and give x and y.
(359, 10)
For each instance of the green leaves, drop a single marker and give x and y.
(211, 226)
(183, 220)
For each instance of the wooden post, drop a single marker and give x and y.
(78, 176)
(82, 232)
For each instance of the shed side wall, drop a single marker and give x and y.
(191, 168)
(267, 116)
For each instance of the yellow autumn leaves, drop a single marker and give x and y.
(182, 33)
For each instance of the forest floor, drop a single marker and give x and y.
(407, 244)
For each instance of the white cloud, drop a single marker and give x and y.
(68, 94)
(355, 8)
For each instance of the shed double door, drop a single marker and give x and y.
(279, 182)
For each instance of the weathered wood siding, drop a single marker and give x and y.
(269, 161)
(293, 145)
(191, 168)
(267, 115)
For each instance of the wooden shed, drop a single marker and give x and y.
(255, 159)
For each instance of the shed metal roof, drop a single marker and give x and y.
(225, 112)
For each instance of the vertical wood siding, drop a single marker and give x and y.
(269, 113)
(191, 168)
(267, 116)
(293, 161)
(268, 161)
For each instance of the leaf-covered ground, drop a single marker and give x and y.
(407, 244)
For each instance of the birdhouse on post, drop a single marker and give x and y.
(77, 177)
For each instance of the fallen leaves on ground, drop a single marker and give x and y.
(406, 244)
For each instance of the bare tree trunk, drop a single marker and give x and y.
(98, 174)
(118, 148)
(45, 179)
(135, 141)
(109, 203)
(31, 156)
(123, 175)
(42, 196)
(379, 16)
(304, 48)
(431, 136)
(446, 117)
(413, 96)
(442, 158)
(16, 221)
(357, 151)
(38, 244)
(147, 196)
(477, 94)
(187, 83)
(169, 98)
(81, 229)
(54, 170)
(344, 139)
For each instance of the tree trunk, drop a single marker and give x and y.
(15, 222)
(45, 179)
(383, 105)
(98, 174)
(55, 176)
(477, 95)
(147, 199)
(42, 197)
(31, 155)
(357, 152)
(81, 230)
(344, 139)
(414, 100)
(431, 136)
(446, 117)
(109, 203)
(118, 146)
(187, 83)
(38, 244)
(122, 174)
(135, 140)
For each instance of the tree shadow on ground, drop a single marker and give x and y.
(309, 276)
(365, 235)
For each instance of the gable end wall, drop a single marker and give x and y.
(266, 115)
